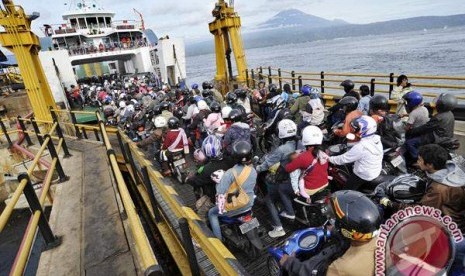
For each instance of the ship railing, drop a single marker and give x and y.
(126, 25)
(107, 47)
(38, 220)
(428, 85)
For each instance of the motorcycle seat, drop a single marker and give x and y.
(248, 211)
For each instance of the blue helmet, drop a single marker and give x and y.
(412, 99)
(211, 146)
(195, 86)
(306, 89)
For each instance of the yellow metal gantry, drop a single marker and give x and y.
(226, 29)
(19, 39)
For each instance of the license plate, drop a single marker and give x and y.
(141, 133)
(397, 161)
(179, 162)
(247, 226)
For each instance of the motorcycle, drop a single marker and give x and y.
(313, 213)
(241, 232)
(178, 165)
(303, 244)
(394, 162)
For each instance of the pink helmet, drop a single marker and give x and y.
(199, 156)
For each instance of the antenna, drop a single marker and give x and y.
(141, 19)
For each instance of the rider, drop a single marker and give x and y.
(315, 111)
(300, 104)
(282, 189)
(156, 137)
(364, 103)
(190, 110)
(214, 119)
(379, 110)
(367, 155)
(348, 86)
(239, 131)
(441, 126)
(418, 114)
(231, 101)
(216, 94)
(165, 110)
(243, 100)
(208, 96)
(357, 222)
(242, 153)
(312, 163)
(349, 106)
(175, 140)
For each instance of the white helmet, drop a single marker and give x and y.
(122, 104)
(202, 105)
(211, 146)
(217, 175)
(312, 135)
(160, 122)
(286, 128)
(364, 125)
(225, 112)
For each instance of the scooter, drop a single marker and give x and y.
(178, 166)
(241, 232)
(314, 213)
(303, 244)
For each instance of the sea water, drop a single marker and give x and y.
(431, 52)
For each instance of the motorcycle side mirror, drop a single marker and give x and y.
(350, 136)
(255, 159)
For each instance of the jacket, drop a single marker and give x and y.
(237, 132)
(198, 118)
(248, 186)
(367, 156)
(314, 179)
(214, 120)
(389, 136)
(170, 138)
(300, 104)
(156, 136)
(440, 126)
(346, 128)
(280, 154)
(397, 94)
(166, 114)
(447, 193)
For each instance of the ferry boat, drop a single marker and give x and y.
(92, 42)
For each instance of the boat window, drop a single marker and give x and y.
(108, 21)
(101, 22)
(73, 22)
(91, 22)
(82, 23)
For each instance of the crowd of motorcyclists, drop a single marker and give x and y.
(290, 133)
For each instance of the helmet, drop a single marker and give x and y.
(306, 90)
(445, 102)
(350, 103)
(164, 106)
(199, 156)
(195, 86)
(160, 122)
(122, 104)
(137, 106)
(357, 217)
(217, 175)
(235, 115)
(286, 128)
(202, 105)
(206, 93)
(231, 98)
(242, 151)
(186, 92)
(205, 85)
(211, 146)
(348, 85)
(314, 93)
(278, 102)
(178, 113)
(225, 111)
(215, 107)
(156, 110)
(107, 100)
(240, 93)
(364, 126)
(272, 88)
(173, 123)
(311, 136)
(192, 100)
(379, 102)
(407, 188)
(412, 100)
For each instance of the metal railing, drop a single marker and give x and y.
(378, 83)
(36, 204)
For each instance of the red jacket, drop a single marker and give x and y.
(317, 177)
(170, 138)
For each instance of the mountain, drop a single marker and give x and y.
(297, 18)
(266, 35)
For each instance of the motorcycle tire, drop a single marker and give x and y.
(273, 267)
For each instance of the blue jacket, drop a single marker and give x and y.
(237, 132)
(280, 154)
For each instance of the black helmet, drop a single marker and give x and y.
(205, 85)
(379, 102)
(350, 103)
(186, 92)
(164, 106)
(235, 115)
(357, 217)
(173, 123)
(242, 151)
(348, 85)
(192, 100)
(206, 93)
(240, 93)
(231, 98)
(215, 107)
(407, 188)
(137, 106)
(272, 88)
(178, 113)
(445, 102)
(156, 110)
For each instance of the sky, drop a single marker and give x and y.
(189, 18)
